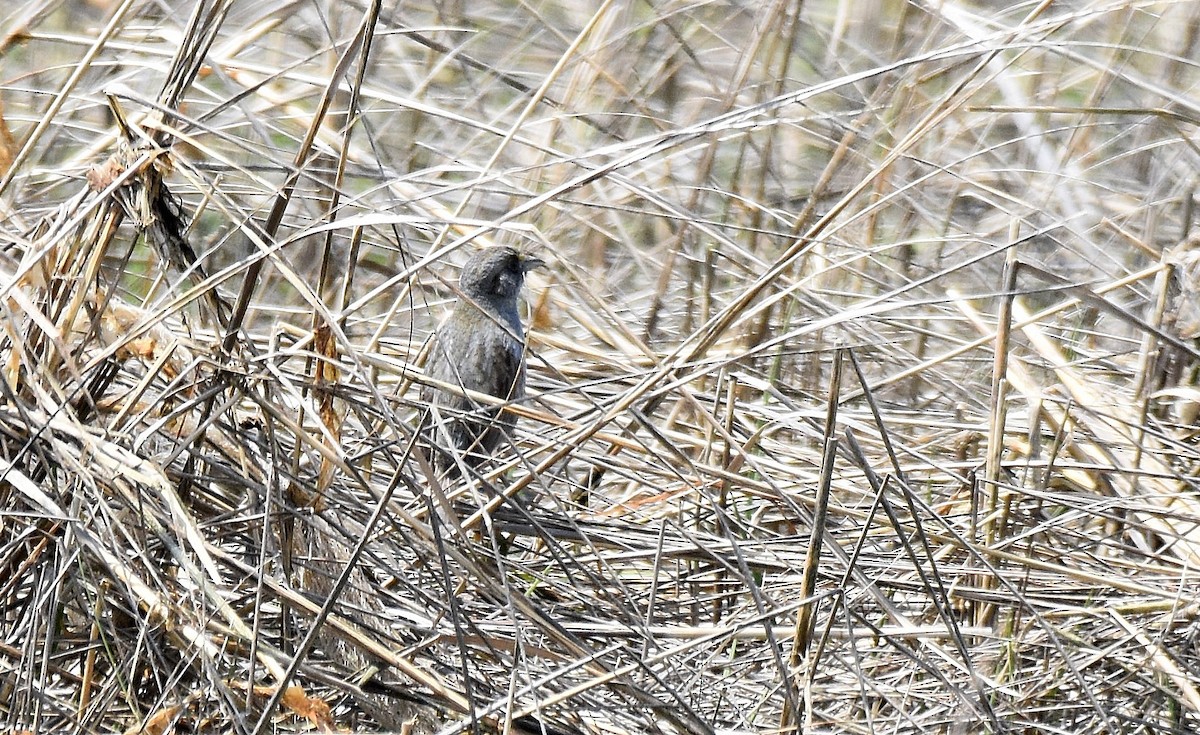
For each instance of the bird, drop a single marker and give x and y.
(480, 347)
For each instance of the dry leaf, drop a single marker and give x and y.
(100, 176)
(8, 145)
(158, 723)
(313, 709)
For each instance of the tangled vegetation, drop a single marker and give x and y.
(861, 374)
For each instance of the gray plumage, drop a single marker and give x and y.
(480, 347)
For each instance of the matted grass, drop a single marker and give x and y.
(861, 376)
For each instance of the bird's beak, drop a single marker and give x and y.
(529, 262)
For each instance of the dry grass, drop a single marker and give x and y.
(861, 375)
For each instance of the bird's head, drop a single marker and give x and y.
(496, 274)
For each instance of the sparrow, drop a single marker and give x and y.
(480, 347)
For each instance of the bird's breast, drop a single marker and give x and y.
(481, 353)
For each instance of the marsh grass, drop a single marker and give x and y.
(861, 376)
